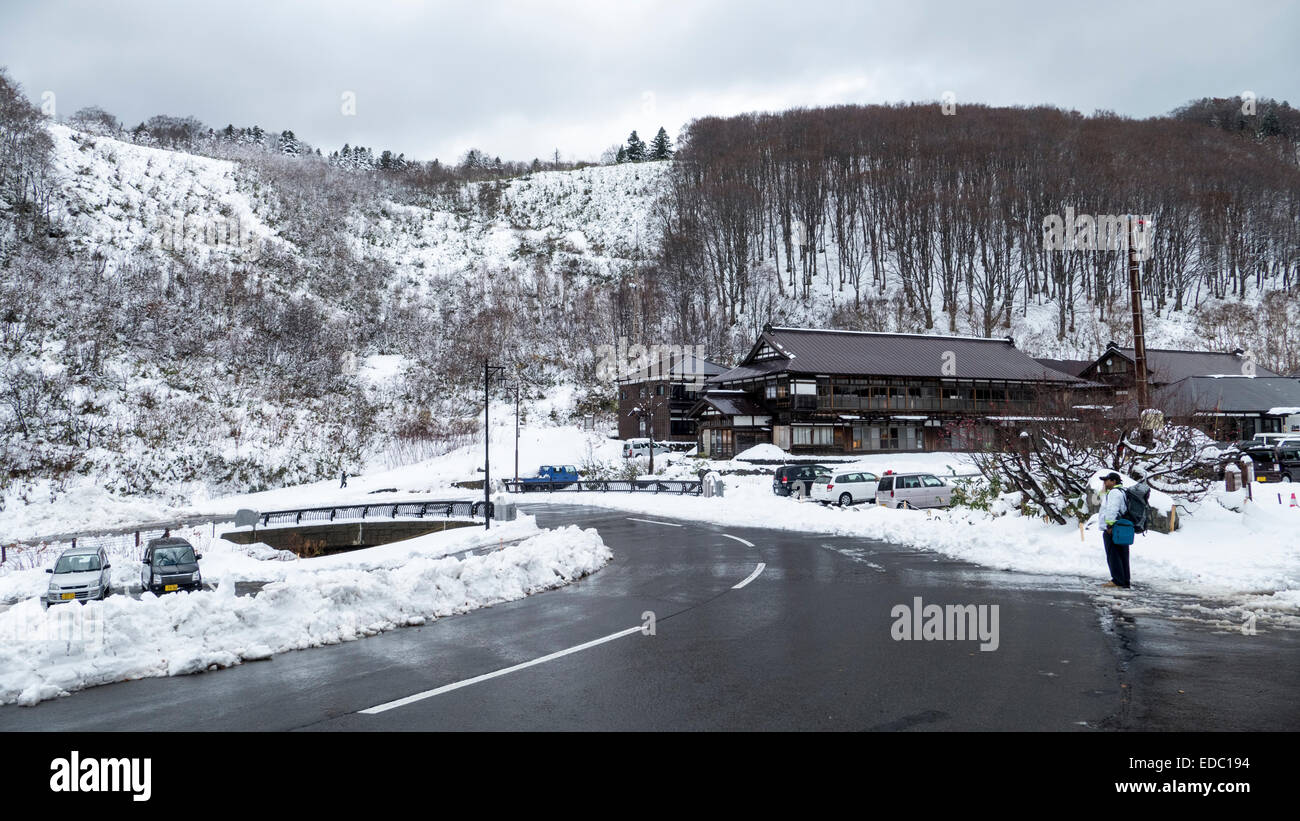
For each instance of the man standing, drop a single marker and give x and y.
(343, 478)
(1113, 505)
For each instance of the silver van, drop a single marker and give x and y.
(913, 490)
(81, 573)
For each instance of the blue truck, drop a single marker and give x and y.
(550, 477)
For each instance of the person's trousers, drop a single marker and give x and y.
(1117, 559)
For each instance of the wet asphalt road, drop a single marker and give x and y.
(805, 645)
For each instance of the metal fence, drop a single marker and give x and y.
(398, 510)
(683, 487)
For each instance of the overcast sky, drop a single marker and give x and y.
(520, 79)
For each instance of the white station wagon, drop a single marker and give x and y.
(845, 487)
(914, 490)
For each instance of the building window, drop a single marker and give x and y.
(622, 394)
(813, 435)
(659, 390)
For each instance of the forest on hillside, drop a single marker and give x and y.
(904, 218)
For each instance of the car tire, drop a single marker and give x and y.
(846, 499)
(905, 505)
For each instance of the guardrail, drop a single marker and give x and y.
(682, 487)
(392, 510)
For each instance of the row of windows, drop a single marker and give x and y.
(679, 392)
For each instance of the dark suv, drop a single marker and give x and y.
(1280, 463)
(788, 476)
(170, 564)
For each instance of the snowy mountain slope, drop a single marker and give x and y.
(120, 199)
(593, 221)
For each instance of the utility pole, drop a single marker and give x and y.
(517, 382)
(487, 435)
(1139, 340)
(1139, 335)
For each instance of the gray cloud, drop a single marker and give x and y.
(521, 79)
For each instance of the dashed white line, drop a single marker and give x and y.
(737, 538)
(653, 522)
(751, 576)
(446, 688)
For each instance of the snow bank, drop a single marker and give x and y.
(764, 451)
(44, 654)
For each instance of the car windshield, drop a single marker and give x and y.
(168, 556)
(77, 564)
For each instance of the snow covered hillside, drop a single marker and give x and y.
(118, 199)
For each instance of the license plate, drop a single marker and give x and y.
(67, 596)
(170, 587)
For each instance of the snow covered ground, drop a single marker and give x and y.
(305, 603)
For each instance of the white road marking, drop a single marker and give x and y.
(751, 576)
(737, 538)
(446, 688)
(653, 522)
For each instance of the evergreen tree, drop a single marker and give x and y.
(288, 144)
(635, 149)
(621, 156)
(660, 147)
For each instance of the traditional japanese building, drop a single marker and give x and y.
(826, 391)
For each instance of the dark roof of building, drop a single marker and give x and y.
(674, 368)
(811, 351)
(1228, 394)
(1165, 365)
(1073, 367)
(731, 403)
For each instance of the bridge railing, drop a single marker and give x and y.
(683, 487)
(392, 510)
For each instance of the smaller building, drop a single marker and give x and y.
(1116, 367)
(655, 401)
(1233, 406)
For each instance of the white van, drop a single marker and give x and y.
(633, 448)
(1273, 439)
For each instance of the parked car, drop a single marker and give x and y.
(81, 573)
(1280, 462)
(633, 448)
(170, 564)
(788, 477)
(550, 477)
(846, 487)
(913, 490)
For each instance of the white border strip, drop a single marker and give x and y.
(737, 538)
(751, 576)
(653, 522)
(446, 688)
